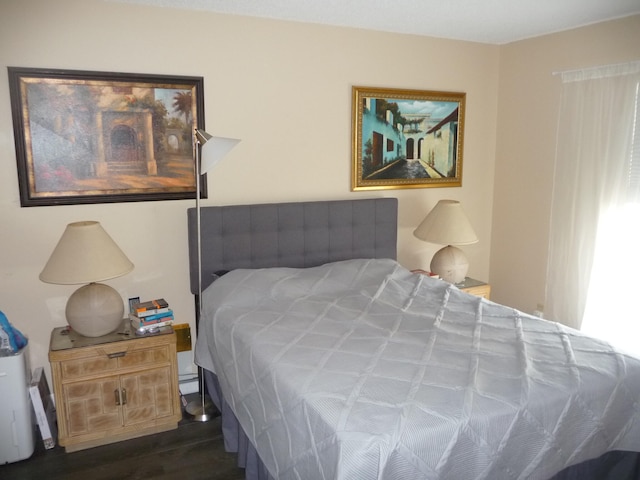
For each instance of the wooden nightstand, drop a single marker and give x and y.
(476, 287)
(470, 285)
(114, 387)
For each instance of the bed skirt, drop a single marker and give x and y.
(235, 440)
(614, 465)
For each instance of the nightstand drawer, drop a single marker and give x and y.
(479, 291)
(141, 358)
(476, 287)
(87, 367)
(110, 361)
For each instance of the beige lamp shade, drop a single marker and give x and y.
(447, 224)
(87, 254)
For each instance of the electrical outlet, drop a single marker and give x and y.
(183, 336)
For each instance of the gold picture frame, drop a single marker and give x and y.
(406, 138)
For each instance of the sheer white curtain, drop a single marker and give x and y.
(594, 240)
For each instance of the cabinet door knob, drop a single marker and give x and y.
(116, 392)
(124, 396)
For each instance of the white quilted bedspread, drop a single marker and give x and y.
(362, 370)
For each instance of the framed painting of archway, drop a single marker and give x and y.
(406, 138)
(100, 137)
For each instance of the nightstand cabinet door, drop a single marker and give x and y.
(90, 406)
(147, 396)
(116, 390)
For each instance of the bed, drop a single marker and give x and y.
(329, 360)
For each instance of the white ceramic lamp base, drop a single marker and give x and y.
(95, 310)
(451, 264)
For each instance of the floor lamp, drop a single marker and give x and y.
(217, 148)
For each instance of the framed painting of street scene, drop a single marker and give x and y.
(99, 137)
(406, 138)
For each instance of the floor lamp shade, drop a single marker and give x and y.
(87, 254)
(216, 150)
(447, 224)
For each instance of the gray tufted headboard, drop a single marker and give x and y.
(302, 234)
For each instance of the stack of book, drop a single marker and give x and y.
(147, 316)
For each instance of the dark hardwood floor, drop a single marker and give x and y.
(193, 451)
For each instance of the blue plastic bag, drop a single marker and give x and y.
(11, 340)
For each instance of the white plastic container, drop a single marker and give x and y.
(17, 440)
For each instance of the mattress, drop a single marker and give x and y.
(362, 370)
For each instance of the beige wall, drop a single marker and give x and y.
(284, 88)
(529, 94)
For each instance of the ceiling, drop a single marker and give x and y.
(485, 21)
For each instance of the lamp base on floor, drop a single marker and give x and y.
(201, 410)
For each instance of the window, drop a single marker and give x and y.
(594, 243)
(611, 310)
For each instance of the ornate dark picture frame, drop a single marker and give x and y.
(101, 137)
(406, 138)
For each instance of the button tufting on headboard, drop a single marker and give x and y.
(296, 234)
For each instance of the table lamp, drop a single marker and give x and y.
(448, 225)
(87, 254)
